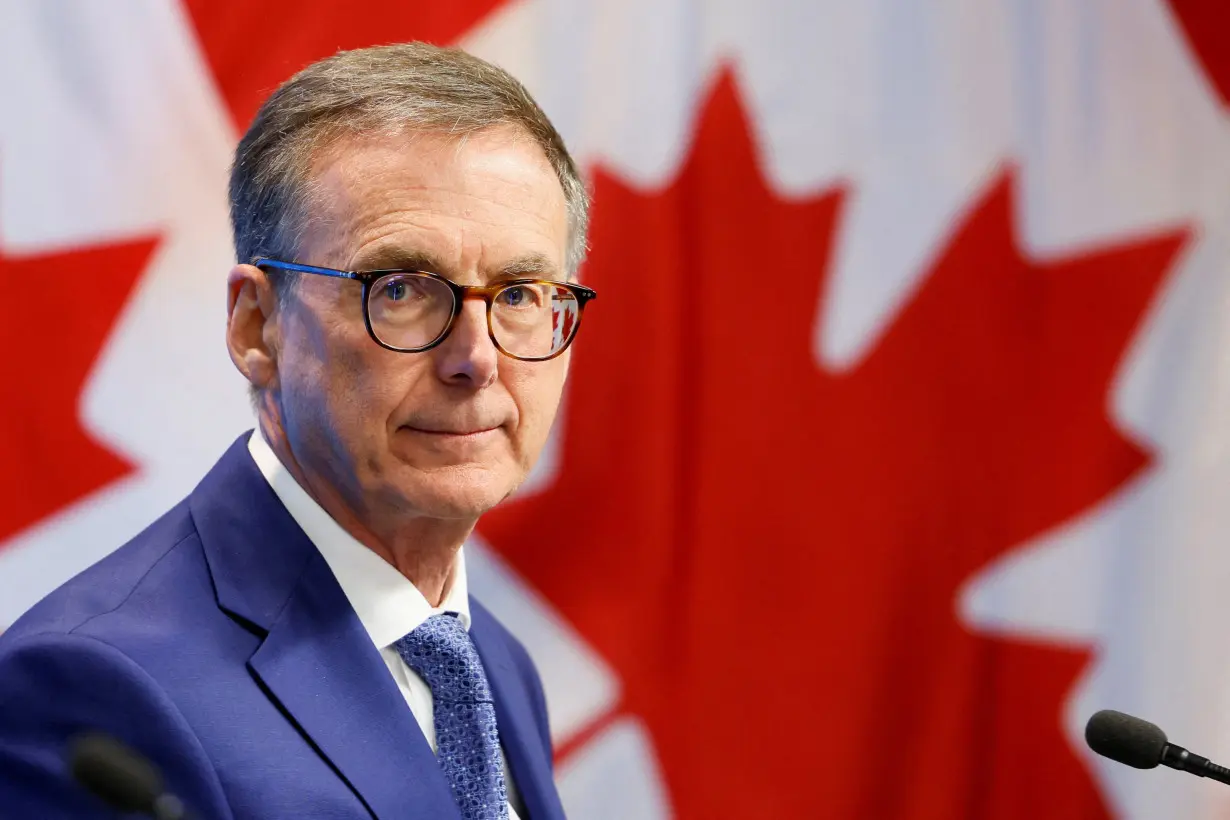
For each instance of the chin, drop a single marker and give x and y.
(457, 492)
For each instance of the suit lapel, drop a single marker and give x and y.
(316, 661)
(319, 664)
(519, 734)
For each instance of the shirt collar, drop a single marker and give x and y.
(388, 605)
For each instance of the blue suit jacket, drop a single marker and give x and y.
(218, 643)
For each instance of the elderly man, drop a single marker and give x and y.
(295, 639)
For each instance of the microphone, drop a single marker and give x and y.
(123, 779)
(1141, 744)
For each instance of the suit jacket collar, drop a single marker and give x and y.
(255, 551)
(316, 660)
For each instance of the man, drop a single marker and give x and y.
(295, 639)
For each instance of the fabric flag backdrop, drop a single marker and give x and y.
(897, 443)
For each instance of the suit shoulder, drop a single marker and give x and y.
(108, 584)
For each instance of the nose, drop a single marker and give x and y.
(468, 357)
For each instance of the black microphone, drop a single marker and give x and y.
(122, 778)
(1139, 743)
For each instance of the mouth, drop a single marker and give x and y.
(456, 435)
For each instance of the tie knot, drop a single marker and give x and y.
(440, 650)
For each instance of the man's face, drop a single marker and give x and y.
(450, 432)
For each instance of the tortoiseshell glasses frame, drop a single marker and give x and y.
(373, 280)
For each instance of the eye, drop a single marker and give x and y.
(519, 296)
(401, 290)
(395, 290)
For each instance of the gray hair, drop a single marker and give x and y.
(385, 89)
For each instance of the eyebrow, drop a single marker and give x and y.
(531, 265)
(534, 265)
(395, 258)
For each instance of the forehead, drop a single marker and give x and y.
(469, 202)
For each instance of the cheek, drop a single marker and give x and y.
(326, 381)
(537, 394)
(366, 386)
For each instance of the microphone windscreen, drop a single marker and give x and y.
(111, 771)
(1126, 739)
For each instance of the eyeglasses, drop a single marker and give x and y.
(411, 311)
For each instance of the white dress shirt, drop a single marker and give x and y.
(388, 605)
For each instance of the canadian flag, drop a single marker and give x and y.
(898, 442)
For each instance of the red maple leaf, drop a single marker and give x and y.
(1206, 25)
(769, 553)
(57, 317)
(249, 57)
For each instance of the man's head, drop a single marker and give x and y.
(408, 157)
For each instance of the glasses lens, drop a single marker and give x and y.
(535, 320)
(409, 310)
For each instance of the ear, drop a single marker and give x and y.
(252, 325)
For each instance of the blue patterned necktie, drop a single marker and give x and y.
(467, 743)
